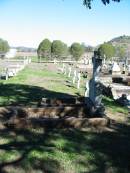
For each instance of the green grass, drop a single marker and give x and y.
(113, 106)
(33, 83)
(66, 151)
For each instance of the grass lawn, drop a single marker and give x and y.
(39, 150)
(33, 83)
(64, 151)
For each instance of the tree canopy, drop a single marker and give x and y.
(76, 50)
(44, 48)
(59, 49)
(4, 46)
(87, 3)
(106, 50)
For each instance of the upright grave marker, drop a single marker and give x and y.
(95, 96)
(63, 67)
(74, 77)
(70, 69)
(65, 70)
(79, 78)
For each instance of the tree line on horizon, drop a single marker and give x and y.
(59, 50)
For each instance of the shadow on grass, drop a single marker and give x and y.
(17, 94)
(42, 150)
(64, 150)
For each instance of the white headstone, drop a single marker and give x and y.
(78, 82)
(69, 74)
(63, 67)
(116, 68)
(87, 89)
(65, 70)
(74, 77)
(85, 61)
(129, 70)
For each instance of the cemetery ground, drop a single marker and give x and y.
(63, 150)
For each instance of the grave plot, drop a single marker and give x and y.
(11, 67)
(116, 81)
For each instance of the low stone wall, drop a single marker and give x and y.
(49, 118)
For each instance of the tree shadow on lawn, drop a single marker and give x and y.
(50, 150)
(25, 95)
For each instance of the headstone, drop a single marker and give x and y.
(7, 75)
(116, 69)
(85, 61)
(29, 60)
(78, 82)
(128, 70)
(87, 89)
(95, 93)
(65, 70)
(70, 69)
(55, 62)
(63, 67)
(74, 77)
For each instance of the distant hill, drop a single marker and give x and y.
(123, 41)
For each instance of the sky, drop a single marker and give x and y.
(28, 22)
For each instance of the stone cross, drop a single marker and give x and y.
(74, 77)
(78, 82)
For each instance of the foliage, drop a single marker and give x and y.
(44, 48)
(106, 50)
(120, 51)
(4, 46)
(59, 49)
(87, 3)
(76, 50)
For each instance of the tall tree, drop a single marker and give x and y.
(76, 50)
(107, 50)
(44, 49)
(4, 46)
(87, 3)
(59, 49)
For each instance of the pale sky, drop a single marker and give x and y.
(28, 22)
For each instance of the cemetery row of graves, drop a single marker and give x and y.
(112, 82)
(43, 119)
